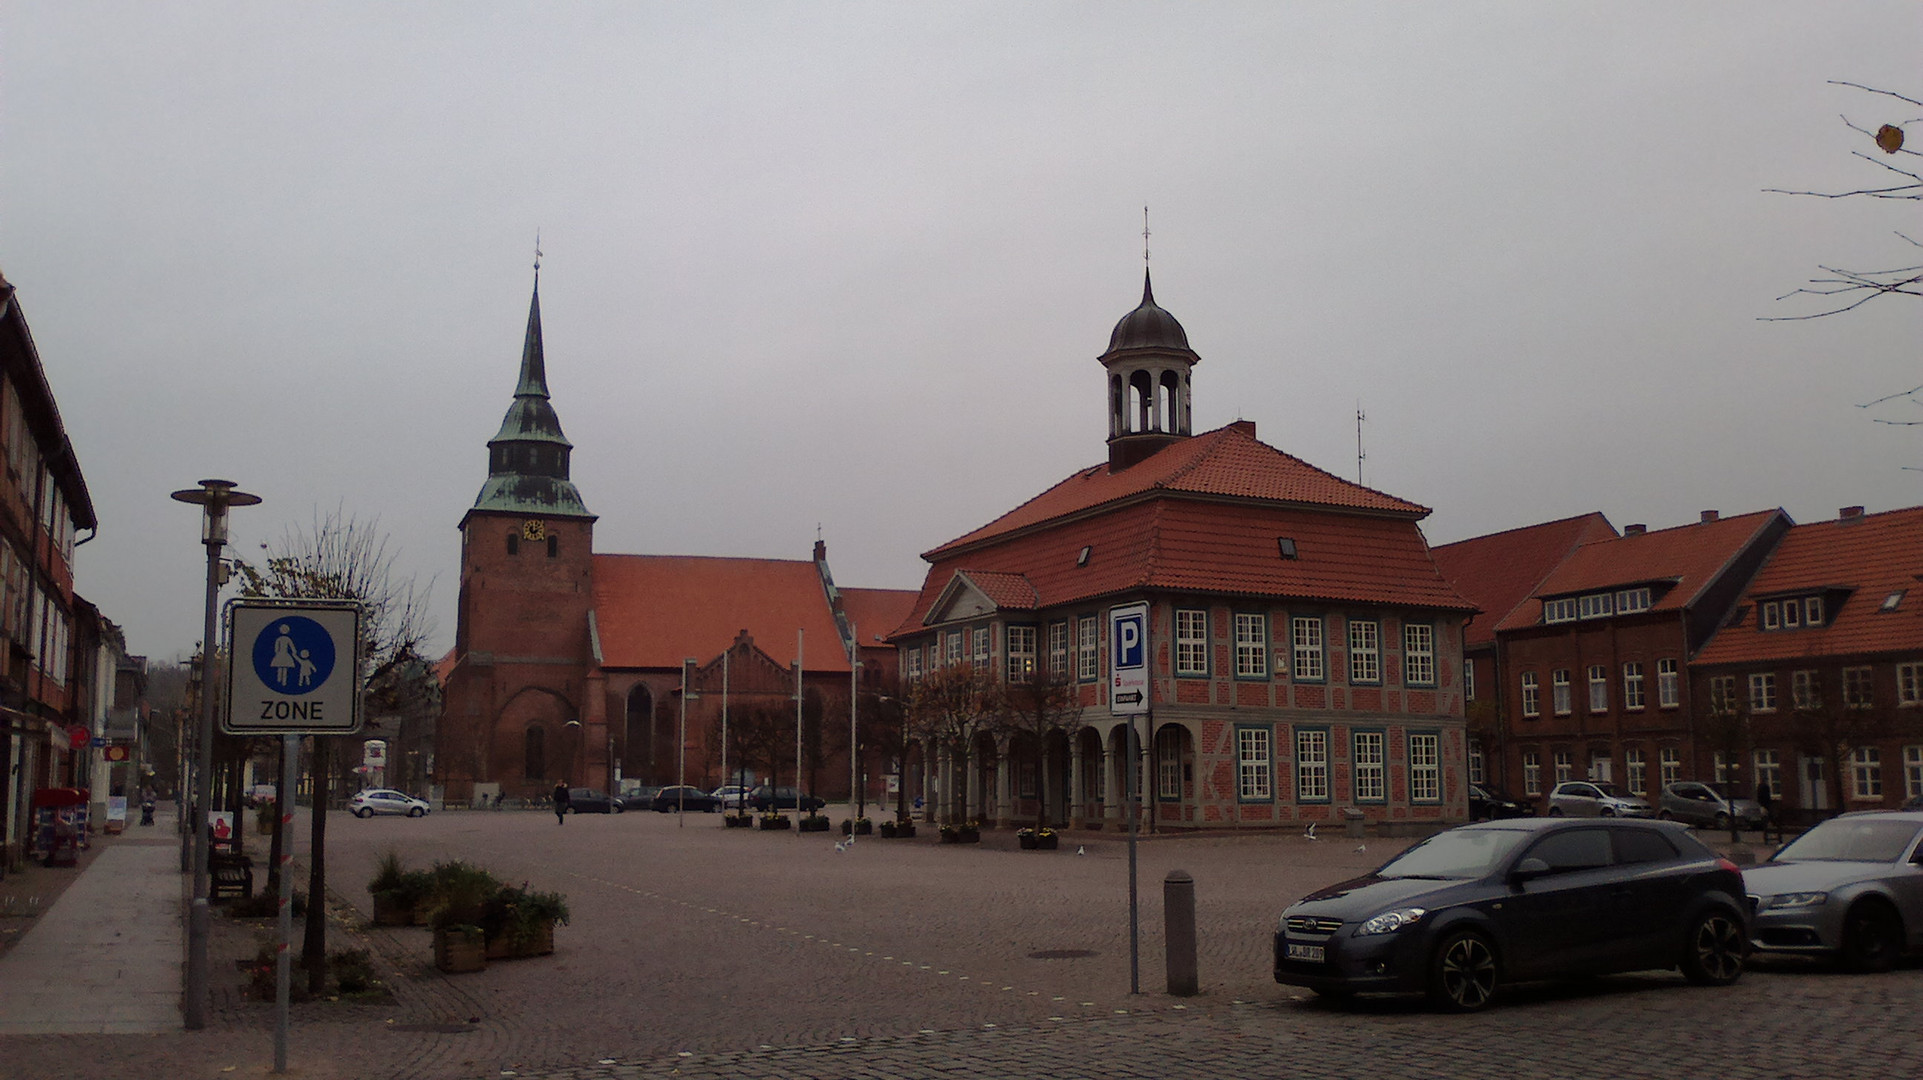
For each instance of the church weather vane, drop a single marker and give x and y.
(1144, 236)
(537, 251)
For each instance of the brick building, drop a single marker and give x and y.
(1815, 681)
(1305, 652)
(569, 664)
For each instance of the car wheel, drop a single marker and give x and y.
(619, 809)
(1714, 951)
(1720, 821)
(1555, 811)
(1606, 812)
(1872, 937)
(364, 812)
(1463, 976)
(1664, 815)
(415, 811)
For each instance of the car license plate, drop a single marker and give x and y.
(1309, 954)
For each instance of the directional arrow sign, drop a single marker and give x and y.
(1133, 697)
(293, 668)
(1128, 659)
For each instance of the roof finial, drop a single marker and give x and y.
(537, 251)
(1144, 235)
(1148, 290)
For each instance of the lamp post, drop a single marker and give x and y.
(855, 794)
(681, 763)
(214, 497)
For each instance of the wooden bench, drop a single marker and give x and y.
(230, 877)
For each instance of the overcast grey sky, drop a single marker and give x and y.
(851, 264)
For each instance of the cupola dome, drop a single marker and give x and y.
(1148, 326)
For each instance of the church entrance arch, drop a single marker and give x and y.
(638, 734)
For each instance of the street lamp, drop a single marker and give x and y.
(681, 763)
(214, 497)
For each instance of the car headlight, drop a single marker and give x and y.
(1390, 921)
(1794, 900)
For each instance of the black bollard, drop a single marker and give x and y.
(1178, 931)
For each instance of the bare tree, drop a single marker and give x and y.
(1047, 703)
(949, 707)
(343, 558)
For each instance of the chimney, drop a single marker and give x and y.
(1710, 515)
(1849, 513)
(1635, 530)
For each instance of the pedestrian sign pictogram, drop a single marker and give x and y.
(294, 669)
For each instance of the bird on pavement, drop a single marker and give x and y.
(1080, 849)
(1360, 848)
(1309, 833)
(840, 847)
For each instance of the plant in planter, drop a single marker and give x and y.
(774, 821)
(858, 827)
(516, 922)
(455, 908)
(460, 947)
(395, 892)
(964, 832)
(904, 829)
(815, 823)
(1038, 839)
(742, 820)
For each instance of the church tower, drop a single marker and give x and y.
(1148, 362)
(517, 710)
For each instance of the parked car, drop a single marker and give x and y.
(1849, 889)
(386, 801)
(692, 799)
(1489, 804)
(638, 796)
(1595, 798)
(730, 796)
(582, 800)
(1474, 908)
(1697, 803)
(782, 799)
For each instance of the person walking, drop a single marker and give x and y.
(1766, 799)
(561, 803)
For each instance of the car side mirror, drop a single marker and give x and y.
(1528, 870)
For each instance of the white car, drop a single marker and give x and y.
(1595, 798)
(385, 801)
(730, 797)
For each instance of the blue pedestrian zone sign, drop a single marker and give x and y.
(294, 671)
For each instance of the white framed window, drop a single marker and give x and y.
(1058, 649)
(1631, 600)
(1602, 768)
(1306, 632)
(954, 647)
(1531, 695)
(934, 653)
(1598, 688)
(1632, 684)
(1722, 694)
(1468, 679)
(1021, 654)
(1769, 770)
(981, 648)
(911, 663)
(1669, 765)
(1813, 610)
(1253, 776)
(1857, 688)
(1251, 646)
(1913, 772)
(1478, 764)
(1669, 691)
(1425, 767)
(1370, 761)
(1531, 773)
(1762, 691)
(1419, 654)
(1311, 765)
(1773, 615)
(1191, 641)
(1554, 611)
(1792, 614)
(1866, 773)
(1721, 767)
(1559, 691)
(1565, 770)
(1805, 690)
(1168, 763)
(1087, 649)
(1636, 772)
(1365, 651)
(1909, 684)
(1595, 606)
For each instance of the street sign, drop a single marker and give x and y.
(1128, 659)
(294, 668)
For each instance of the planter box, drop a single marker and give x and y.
(814, 824)
(897, 830)
(390, 912)
(457, 952)
(1031, 842)
(775, 823)
(541, 944)
(735, 822)
(961, 836)
(859, 828)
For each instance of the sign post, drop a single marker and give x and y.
(295, 670)
(1128, 697)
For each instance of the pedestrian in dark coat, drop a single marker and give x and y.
(1766, 799)
(561, 803)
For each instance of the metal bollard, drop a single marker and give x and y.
(1178, 932)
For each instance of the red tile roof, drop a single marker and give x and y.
(652, 611)
(1228, 461)
(1690, 556)
(1874, 555)
(1215, 547)
(1501, 570)
(1011, 591)
(874, 612)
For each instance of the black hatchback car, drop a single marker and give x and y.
(1469, 910)
(1488, 804)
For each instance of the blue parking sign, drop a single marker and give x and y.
(1128, 653)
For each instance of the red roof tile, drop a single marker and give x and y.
(1875, 556)
(1009, 591)
(1501, 570)
(652, 611)
(1690, 556)
(874, 612)
(1227, 461)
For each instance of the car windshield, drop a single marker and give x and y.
(1851, 840)
(1458, 853)
(1609, 790)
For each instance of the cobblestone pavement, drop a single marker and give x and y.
(698, 952)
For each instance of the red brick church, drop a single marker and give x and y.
(572, 665)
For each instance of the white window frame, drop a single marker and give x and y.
(1565, 768)
(1425, 767)
(981, 647)
(1913, 772)
(1559, 692)
(1418, 654)
(1370, 757)
(1559, 611)
(1792, 614)
(1058, 648)
(1768, 768)
(1772, 615)
(1531, 695)
(1669, 766)
(1866, 773)
(1192, 642)
(1251, 645)
(1088, 649)
(1531, 772)
(1909, 685)
(1859, 687)
(1020, 653)
(1478, 763)
(1598, 688)
(1468, 679)
(1812, 611)
(1168, 763)
(1365, 651)
(1762, 691)
(1722, 694)
(1312, 765)
(954, 647)
(1595, 605)
(1636, 772)
(911, 663)
(1602, 768)
(1630, 601)
(1805, 689)
(1254, 775)
(1306, 634)
(1669, 683)
(1633, 699)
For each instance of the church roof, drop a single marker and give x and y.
(1227, 462)
(1500, 571)
(653, 611)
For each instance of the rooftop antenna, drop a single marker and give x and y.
(1360, 457)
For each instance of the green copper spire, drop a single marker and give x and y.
(528, 458)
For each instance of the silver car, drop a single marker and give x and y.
(373, 801)
(1709, 805)
(1595, 798)
(1850, 889)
